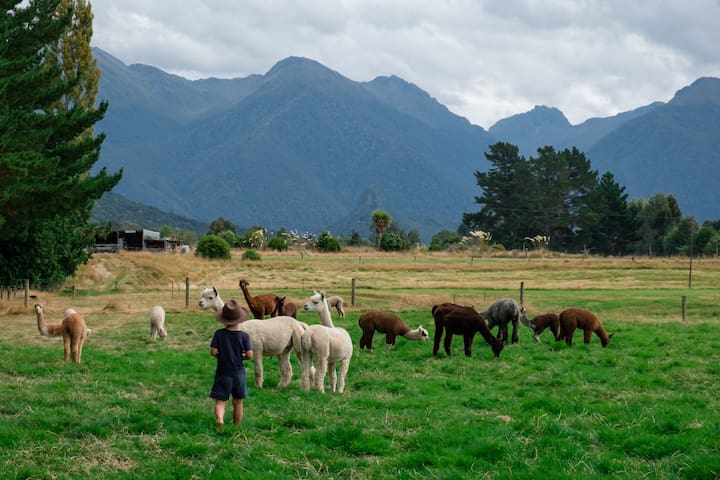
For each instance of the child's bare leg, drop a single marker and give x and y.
(237, 410)
(220, 412)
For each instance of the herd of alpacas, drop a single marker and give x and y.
(325, 349)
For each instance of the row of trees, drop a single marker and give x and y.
(557, 195)
(48, 87)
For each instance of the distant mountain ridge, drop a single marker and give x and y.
(305, 148)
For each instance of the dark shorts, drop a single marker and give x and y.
(226, 385)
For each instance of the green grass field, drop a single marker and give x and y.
(644, 407)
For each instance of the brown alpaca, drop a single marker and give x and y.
(260, 305)
(460, 320)
(74, 331)
(285, 309)
(389, 324)
(46, 329)
(574, 318)
(543, 321)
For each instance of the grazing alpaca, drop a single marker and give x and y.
(543, 321)
(338, 304)
(288, 309)
(260, 305)
(74, 331)
(275, 337)
(210, 298)
(389, 324)
(328, 345)
(460, 320)
(574, 318)
(46, 329)
(502, 312)
(157, 322)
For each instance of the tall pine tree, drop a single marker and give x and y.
(47, 147)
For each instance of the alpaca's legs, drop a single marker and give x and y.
(306, 367)
(436, 339)
(80, 343)
(285, 369)
(332, 373)
(587, 334)
(259, 373)
(366, 340)
(569, 336)
(389, 341)
(467, 342)
(320, 371)
(515, 330)
(344, 365)
(66, 347)
(447, 342)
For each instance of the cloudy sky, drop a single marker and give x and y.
(483, 59)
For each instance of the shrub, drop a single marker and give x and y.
(278, 244)
(212, 246)
(392, 242)
(251, 255)
(327, 243)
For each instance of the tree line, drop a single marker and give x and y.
(557, 196)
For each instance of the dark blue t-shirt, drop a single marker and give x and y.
(231, 345)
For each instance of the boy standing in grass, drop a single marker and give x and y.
(230, 346)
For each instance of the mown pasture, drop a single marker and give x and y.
(645, 407)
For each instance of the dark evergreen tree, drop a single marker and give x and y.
(503, 203)
(615, 228)
(47, 149)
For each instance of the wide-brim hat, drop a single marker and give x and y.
(231, 313)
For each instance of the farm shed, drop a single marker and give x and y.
(136, 240)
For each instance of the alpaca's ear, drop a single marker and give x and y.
(215, 290)
(322, 294)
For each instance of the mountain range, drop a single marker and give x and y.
(305, 148)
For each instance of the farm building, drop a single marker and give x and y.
(135, 240)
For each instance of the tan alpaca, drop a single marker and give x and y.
(46, 329)
(574, 318)
(74, 331)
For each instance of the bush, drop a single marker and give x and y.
(327, 243)
(278, 244)
(212, 246)
(393, 242)
(251, 255)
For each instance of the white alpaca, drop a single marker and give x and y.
(157, 322)
(273, 337)
(327, 345)
(338, 304)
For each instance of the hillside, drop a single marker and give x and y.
(118, 210)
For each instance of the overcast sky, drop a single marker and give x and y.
(483, 59)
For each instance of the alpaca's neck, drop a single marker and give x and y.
(42, 327)
(325, 317)
(246, 294)
(218, 304)
(414, 334)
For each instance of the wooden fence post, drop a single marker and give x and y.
(27, 291)
(352, 294)
(187, 292)
(522, 293)
(684, 308)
